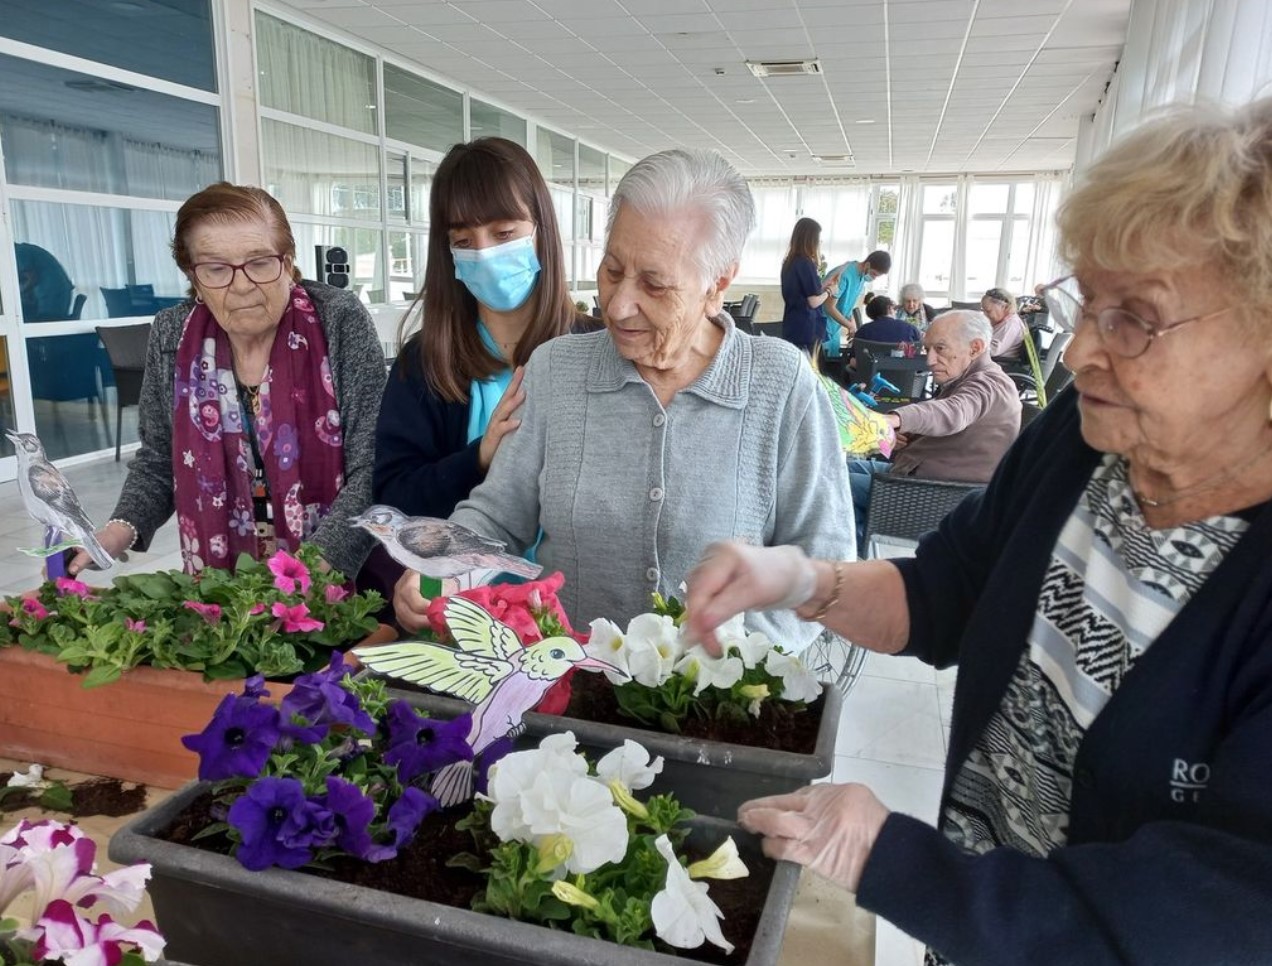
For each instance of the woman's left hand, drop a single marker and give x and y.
(503, 420)
(829, 828)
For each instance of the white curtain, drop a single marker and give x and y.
(311, 172)
(1043, 261)
(91, 244)
(158, 171)
(303, 73)
(843, 210)
(905, 245)
(776, 213)
(46, 154)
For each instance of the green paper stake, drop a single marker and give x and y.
(430, 587)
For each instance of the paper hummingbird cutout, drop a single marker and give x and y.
(488, 667)
(439, 548)
(862, 431)
(49, 499)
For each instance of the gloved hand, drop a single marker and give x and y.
(828, 828)
(410, 607)
(733, 577)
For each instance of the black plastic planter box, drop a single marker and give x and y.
(213, 912)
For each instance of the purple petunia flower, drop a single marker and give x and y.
(237, 741)
(418, 745)
(405, 816)
(322, 701)
(254, 687)
(275, 821)
(352, 811)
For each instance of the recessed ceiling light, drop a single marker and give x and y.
(865, 120)
(746, 100)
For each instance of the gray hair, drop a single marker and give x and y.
(970, 325)
(911, 290)
(695, 179)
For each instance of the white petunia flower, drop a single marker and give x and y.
(653, 645)
(683, 913)
(606, 643)
(708, 671)
(798, 683)
(547, 798)
(752, 648)
(630, 765)
(723, 863)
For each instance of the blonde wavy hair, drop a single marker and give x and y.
(1194, 184)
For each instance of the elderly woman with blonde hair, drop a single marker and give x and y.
(1108, 602)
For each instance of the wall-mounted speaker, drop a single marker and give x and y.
(333, 265)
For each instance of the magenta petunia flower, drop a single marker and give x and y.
(66, 585)
(335, 593)
(33, 608)
(295, 619)
(289, 573)
(133, 625)
(209, 612)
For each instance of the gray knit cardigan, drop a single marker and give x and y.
(628, 494)
(357, 369)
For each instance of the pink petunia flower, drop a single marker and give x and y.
(66, 935)
(132, 625)
(288, 573)
(335, 593)
(33, 608)
(67, 585)
(256, 609)
(209, 612)
(295, 619)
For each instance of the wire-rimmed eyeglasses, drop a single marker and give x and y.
(262, 270)
(1122, 332)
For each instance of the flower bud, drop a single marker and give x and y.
(723, 863)
(572, 895)
(554, 851)
(623, 799)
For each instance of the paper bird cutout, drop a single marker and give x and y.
(439, 548)
(50, 500)
(488, 667)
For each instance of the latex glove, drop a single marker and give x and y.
(409, 605)
(828, 828)
(733, 577)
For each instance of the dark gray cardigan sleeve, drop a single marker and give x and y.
(357, 369)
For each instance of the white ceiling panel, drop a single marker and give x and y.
(953, 85)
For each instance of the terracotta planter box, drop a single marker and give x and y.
(130, 729)
(212, 912)
(710, 777)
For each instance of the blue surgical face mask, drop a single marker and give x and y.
(501, 277)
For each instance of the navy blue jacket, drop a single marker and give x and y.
(1169, 858)
(888, 329)
(801, 325)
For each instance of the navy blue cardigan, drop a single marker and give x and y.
(1169, 858)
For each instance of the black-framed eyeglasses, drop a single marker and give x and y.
(1122, 332)
(262, 270)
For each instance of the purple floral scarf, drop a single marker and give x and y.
(298, 437)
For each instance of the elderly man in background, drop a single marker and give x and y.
(962, 433)
(640, 445)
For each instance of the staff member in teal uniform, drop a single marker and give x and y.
(853, 278)
(494, 291)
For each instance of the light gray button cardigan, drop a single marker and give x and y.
(628, 493)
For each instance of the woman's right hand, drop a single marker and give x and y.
(733, 577)
(409, 605)
(503, 421)
(115, 538)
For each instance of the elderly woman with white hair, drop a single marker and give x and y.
(913, 309)
(1108, 602)
(642, 444)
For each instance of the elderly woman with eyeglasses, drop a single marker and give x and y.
(259, 401)
(1108, 602)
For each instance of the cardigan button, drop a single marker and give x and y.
(656, 494)
(652, 575)
(659, 419)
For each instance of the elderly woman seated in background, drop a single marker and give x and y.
(640, 445)
(999, 307)
(964, 431)
(913, 309)
(258, 405)
(1108, 602)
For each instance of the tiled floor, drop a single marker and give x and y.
(892, 736)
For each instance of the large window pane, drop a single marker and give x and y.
(617, 169)
(983, 239)
(936, 254)
(320, 174)
(363, 246)
(591, 169)
(939, 199)
(1024, 198)
(73, 391)
(95, 135)
(395, 205)
(556, 158)
(486, 120)
(171, 39)
(420, 112)
(118, 259)
(1016, 257)
(302, 73)
(408, 252)
(563, 205)
(988, 199)
(421, 186)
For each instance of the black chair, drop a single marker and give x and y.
(905, 507)
(77, 307)
(118, 302)
(910, 375)
(126, 347)
(974, 306)
(768, 328)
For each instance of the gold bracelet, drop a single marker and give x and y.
(834, 593)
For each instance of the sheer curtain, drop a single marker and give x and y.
(158, 171)
(776, 213)
(302, 73)
(1043, 261)
(47, 154)
(91, 243)
(843, 211)
(905, 245)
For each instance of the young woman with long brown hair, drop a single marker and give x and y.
(802, 288)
